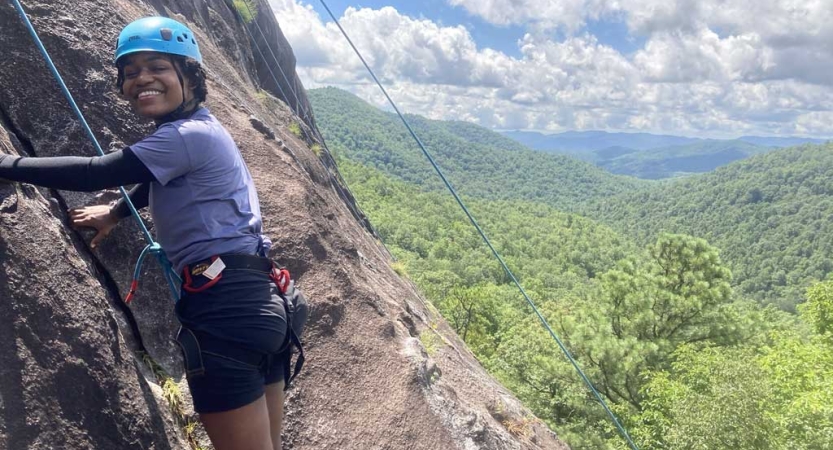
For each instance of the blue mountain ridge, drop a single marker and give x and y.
(653, 156)
(586, 141)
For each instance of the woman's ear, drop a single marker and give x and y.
(121, 93)
(120, 82)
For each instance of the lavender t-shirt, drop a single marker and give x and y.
(204, 202)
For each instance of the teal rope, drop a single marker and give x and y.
(307, 114)
(153, 245)
(269, 67)
(561, 345)
(294, 91)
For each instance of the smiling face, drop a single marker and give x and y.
(152, 86)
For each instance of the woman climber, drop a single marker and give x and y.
(207, 218)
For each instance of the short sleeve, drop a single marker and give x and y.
(164, 153)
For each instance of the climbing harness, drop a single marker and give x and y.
(153, 247)
(561, 345)
(202, 275)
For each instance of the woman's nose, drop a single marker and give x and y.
(144, 77)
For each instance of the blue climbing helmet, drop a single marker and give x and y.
(157, 34)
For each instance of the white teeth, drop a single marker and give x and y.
(148, 93)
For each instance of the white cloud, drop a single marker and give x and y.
(398, 47)
(567, 14)
(704, 69)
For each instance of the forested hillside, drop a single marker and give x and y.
(771, 216)
(681, 358)
(652, 156)
(667, 162)
(477, 161)
(686, 360)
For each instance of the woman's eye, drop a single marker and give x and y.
(158, 69)
(131, 75)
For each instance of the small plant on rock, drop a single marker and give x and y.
(316, 148)
(247, 10)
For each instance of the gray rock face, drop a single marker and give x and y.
(68, 379)
(70, 371)
(275, 61)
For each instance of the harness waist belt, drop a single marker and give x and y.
(232, 261)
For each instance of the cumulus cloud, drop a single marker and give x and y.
(567, 14)
(397, 46)
(741, 39)
(704, 69)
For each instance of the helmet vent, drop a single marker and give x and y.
(166, 33)
(179, 39)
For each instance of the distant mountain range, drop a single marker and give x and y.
(477, 161)
(653, 156)
(585, 141)
(769, 214)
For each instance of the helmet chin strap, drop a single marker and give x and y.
(184, 110)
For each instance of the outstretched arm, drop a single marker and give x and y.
(86, 174)
(76, 173)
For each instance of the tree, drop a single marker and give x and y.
(621, 330)
(709, 399)
(682, 295)
(818, 311)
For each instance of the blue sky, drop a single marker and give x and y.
(503, 38)
(686, 68)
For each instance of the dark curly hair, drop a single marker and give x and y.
(191, 70)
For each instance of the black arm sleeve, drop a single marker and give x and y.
(77, 173)
(138, 196)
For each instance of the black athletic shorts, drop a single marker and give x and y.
(233, 337)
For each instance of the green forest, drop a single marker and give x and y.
(771, 216)
(701, 308)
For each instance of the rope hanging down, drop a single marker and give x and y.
(298, 108)
(152, 247)
(308, 115)
(289, 84)
(561, 345)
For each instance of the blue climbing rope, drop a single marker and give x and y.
(153, 247)
(289, 84)
(307, 114)
(552, 333)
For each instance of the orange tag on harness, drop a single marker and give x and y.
(215, 269)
